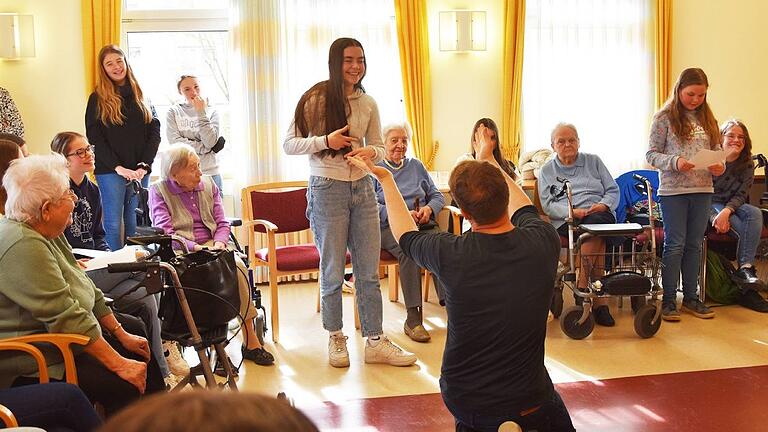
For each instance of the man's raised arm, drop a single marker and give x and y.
(400, 219)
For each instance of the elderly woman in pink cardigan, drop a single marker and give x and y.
(188, 204)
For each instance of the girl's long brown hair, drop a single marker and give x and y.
(676, 112)
(109, 99)
(324, 107)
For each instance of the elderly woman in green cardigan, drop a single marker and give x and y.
(44, 290)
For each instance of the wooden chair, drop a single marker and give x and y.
(62, 341)
(393, 277)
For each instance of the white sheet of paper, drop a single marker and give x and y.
(101, 259)
(705, 158)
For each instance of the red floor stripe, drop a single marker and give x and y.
(719, 400)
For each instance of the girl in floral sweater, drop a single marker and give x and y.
(684, 126)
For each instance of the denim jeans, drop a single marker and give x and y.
(685, 222)
(344, 215)
(410, 272)
(746, 226)
(552, 416)
(219, 183)
(119, 204)
(137, 303)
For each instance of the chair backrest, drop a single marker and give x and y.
(284, 204)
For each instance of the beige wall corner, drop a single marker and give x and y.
(48, 88)
(729, 40)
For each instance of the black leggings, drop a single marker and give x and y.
(104, 386)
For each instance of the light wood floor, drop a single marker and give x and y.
(736, 337)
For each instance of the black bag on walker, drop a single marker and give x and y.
(215, 273)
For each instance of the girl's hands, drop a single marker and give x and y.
(683, 165)
(130, 174)
(367, 165)
(337, 140)
(199, 104)
(717, 169)
(722, 222)
(365, 152)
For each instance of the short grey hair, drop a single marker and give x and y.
(558, 127)
(404, 125)
(174, 157)
(30, 182)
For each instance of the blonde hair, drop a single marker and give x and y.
(109, 101)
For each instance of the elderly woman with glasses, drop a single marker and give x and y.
(595, 196)
(732, 214)
(188, 204)
(44, 290)
(424, 201)
(87, 232)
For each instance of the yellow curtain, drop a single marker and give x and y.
(661, 39)
(413, 40)
(101, 26)
(514, 32)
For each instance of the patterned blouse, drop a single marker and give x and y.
(10, 119)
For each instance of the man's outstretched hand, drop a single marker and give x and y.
(365, 164)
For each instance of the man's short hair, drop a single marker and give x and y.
(479, 189)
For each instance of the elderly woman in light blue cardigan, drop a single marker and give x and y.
(424, 201)
(595, 196)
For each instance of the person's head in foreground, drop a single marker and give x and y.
(210, 411)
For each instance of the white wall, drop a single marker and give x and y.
(48, 89)
(465, 86)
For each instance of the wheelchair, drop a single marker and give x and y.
(634, 273)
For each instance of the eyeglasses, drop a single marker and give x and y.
(733, 137)
(81, 153)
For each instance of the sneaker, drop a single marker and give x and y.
(220, 371)
(417, 334)
(338, 356)
(603, 316)
(698, 309)
(388, 353)
(171, 381)
(746, 277)
(669, 312)
(175, 360)
(751, 299)
(260, 356)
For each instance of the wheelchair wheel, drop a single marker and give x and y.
(556, 307)
(570, 326)
(643, 326)
(637, 302)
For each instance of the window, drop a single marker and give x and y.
(590, 63)
(164, 39)
(310, 28)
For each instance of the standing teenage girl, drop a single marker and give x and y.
(684, 126)
(125, 134)
(335, 119)
(197, 124)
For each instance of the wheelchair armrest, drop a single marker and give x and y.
(148, 231)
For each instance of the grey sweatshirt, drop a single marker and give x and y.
(200, 130)
(363, 122)
(665, 148)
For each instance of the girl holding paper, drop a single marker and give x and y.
(684, 126)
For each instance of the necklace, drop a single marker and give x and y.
(393, 166)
